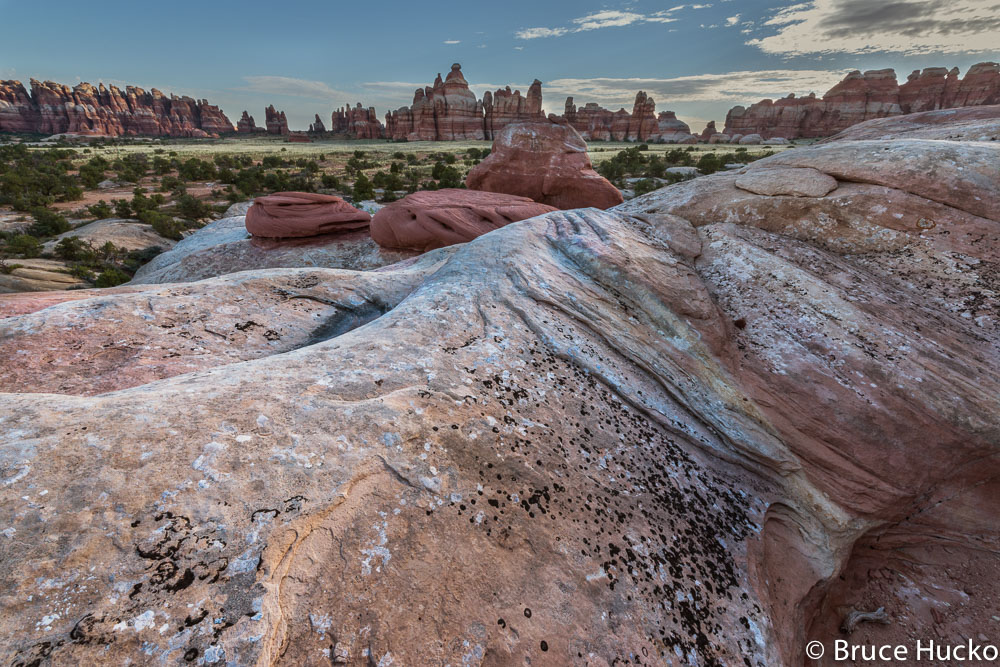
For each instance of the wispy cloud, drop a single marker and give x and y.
(535, 33)
(910, 27)
(607, 18)
(452, 41)
(734, 87)
(733, 20)
(286, 85)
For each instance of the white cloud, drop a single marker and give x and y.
(286, 85)
(607, 18)
(733, 20)
(452, 41)
(535, 33)
(909, 27)
(730, 87)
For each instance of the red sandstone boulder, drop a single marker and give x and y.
(294, 214)
(434, 219)
(547, 161)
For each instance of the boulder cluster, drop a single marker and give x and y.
(54, 108)
(861, 97)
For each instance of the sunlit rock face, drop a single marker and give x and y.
(866, 96)
(692, 429)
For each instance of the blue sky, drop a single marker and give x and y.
(697, 59)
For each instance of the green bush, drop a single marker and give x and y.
(47, 223)
(72, 248)
(24, 245)
(363, 189)
(123, 209)
(100, 210)
(111, 277)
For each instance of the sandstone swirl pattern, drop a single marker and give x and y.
(688, 429)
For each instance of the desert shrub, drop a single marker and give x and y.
(131, 168)
(100, 210)
(47, 223)
(24, 245)
(194, 169)
(330, 181)
(111, 277)
(646, 185)
(192, 208)
(710, 163)
(73, 248)
(31, 179)
(123, 209)
(363, 189)
(164, 225)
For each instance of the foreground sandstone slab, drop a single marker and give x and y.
(695, 428)
(224, 246)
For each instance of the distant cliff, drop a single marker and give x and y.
(860, 97)
(54, 108)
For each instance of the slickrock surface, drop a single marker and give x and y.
(426, 220)
(36, 275)
(128, 234)
(296, 214)
(53, 108)
(225, 246)
(964, 124)
(692, 429)
(546, 161)
(862, 97)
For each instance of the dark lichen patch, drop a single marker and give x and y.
(655, 527)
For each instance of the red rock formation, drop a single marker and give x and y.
(295, 214)
(357, 122)
(547, 161)
(52, 108)
(505, 107)
(862, 97)
(275, 120)
(434, 219)
(709, 131)
(246, 124)
(449, 111)
(317, 126)
(595, 123)
(642, 123)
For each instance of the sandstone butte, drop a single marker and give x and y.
(860, 97)
(275, 121)
(700, 427)
(357, 122)
(595, 123)
(545, 160)
(53, 108)
(449, 111)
